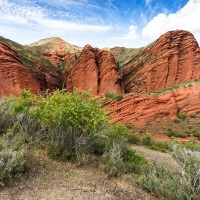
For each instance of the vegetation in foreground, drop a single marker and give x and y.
(73, 127)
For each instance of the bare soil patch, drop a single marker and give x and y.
(65, 181)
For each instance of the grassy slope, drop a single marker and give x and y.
(54, 43)
(29, 57)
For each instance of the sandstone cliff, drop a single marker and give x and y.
(22, 68)
(137, 109)
(95, 69)
(172, 59)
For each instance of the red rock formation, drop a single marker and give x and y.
(172, 59)
(137, 109)
(58, 57)
(13, 75)
(94, 69)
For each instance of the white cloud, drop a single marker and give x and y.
(131, 39)
(187, 18)
(22, 18)
(132, 32)
(13, 14)
(130, 35)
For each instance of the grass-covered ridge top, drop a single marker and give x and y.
(29, 57)
(53, 44)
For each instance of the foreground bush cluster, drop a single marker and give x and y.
(72, 126)
(68, 127)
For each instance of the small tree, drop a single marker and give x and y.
(75, 57)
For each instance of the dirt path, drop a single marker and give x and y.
(156, 156)
(65, 181)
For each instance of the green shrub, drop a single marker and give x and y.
(79, 109)
(197, 135)
(117, 97)
(7, 116)
(176, 121)
(109, 134)
(135, 139)
(192, 116)
(120, 159)
(169, 129)
(189, 162)
(109, 96)
(147, 140)
(99, 144)
(193, 145)
(133, 162)
(175, 134)
(182, 116)
(113, 159)
(164, 183)
(66, 122)
(12, 163)
(15, 158)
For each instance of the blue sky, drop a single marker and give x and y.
(101, 23)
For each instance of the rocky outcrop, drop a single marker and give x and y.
(174, 58)
(13, 75)
(136, 109)
(59, 58)
(94, 69)
(18, 72)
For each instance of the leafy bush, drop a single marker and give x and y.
(7, 116)
(109, 96)
(182, 116)
(15, 158)
(120, 159)
(12, 163)
(192, 145)
(117, 97)
(189, 162)
(147, 140)
(113, 160)
(166, 146)
(135, 139)
(68, 110)
(193, 116)
(171, 133)
(197, 135)
(65, 121)
(133, 162)
(164, 183)
(176, 121)
(69, 126)
(109, 134)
